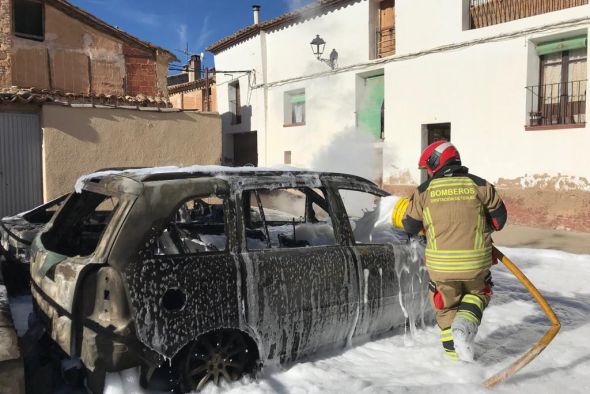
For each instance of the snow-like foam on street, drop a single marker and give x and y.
(511, 324)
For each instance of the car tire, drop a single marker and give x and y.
(215, 356)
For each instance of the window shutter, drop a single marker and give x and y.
(298, 98)
(567, 44)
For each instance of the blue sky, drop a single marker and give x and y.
(173, 24)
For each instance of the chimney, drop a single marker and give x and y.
(256, 12)
(194, 66)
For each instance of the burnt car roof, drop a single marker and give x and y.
(152, 174)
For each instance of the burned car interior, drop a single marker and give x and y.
(287, 218)
(43, 213)
(77, 233)
(197, 226)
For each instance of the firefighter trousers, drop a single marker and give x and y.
(464, 298)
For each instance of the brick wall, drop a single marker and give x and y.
(78, 58)
(5, 42)
(194, 99)
(141, 72)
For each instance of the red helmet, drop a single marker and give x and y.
(437, 154)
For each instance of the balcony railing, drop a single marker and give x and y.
(385, 42)
(491, 12)
(557, 103)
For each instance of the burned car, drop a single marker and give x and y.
(217, 270)
(16, 235)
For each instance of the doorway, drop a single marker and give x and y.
(438, 131)
(246, 149)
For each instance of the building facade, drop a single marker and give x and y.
(76, 95)
(54, 46)
(503, 80)
(193, 88)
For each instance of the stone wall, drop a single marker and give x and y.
(5, 42)
(12, 373)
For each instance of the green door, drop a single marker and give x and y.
(370, 109)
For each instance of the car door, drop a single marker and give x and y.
(300, 280)
(184, 282)
(390, 271)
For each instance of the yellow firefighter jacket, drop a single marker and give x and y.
(458, 212)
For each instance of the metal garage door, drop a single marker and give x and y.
(20, 163)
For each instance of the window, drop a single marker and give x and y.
(43, 213)
(287, 218)
(560, 97)
(369, 217)
(234, 102)
(28, 19)
(80, 225)
(386, 30)
(295, 108)
(198, 226)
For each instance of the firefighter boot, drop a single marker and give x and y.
(464, 332)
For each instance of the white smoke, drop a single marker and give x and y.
(351, 151)
(296, 4)
(356, 152)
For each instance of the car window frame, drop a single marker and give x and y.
(226, 207)
(253, 187)
(357, 188)
(105, 238)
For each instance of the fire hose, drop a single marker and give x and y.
(538, 347)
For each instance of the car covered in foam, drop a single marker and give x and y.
(212, 272)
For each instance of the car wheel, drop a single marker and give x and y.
(216, 355)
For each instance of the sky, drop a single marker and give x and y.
(174, 24)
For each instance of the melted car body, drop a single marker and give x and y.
(143, 266)
(16, 235)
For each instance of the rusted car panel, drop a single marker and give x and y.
(17, 232)
(58, 277)
(16, 235)
(180, 255)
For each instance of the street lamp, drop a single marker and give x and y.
(317, 47)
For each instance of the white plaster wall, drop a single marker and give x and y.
(425, 24)
(479, 89)
(246, 56)
(329, 111)
(345, 29)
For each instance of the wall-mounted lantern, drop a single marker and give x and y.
(317, 47)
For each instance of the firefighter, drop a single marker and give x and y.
(457, 212)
